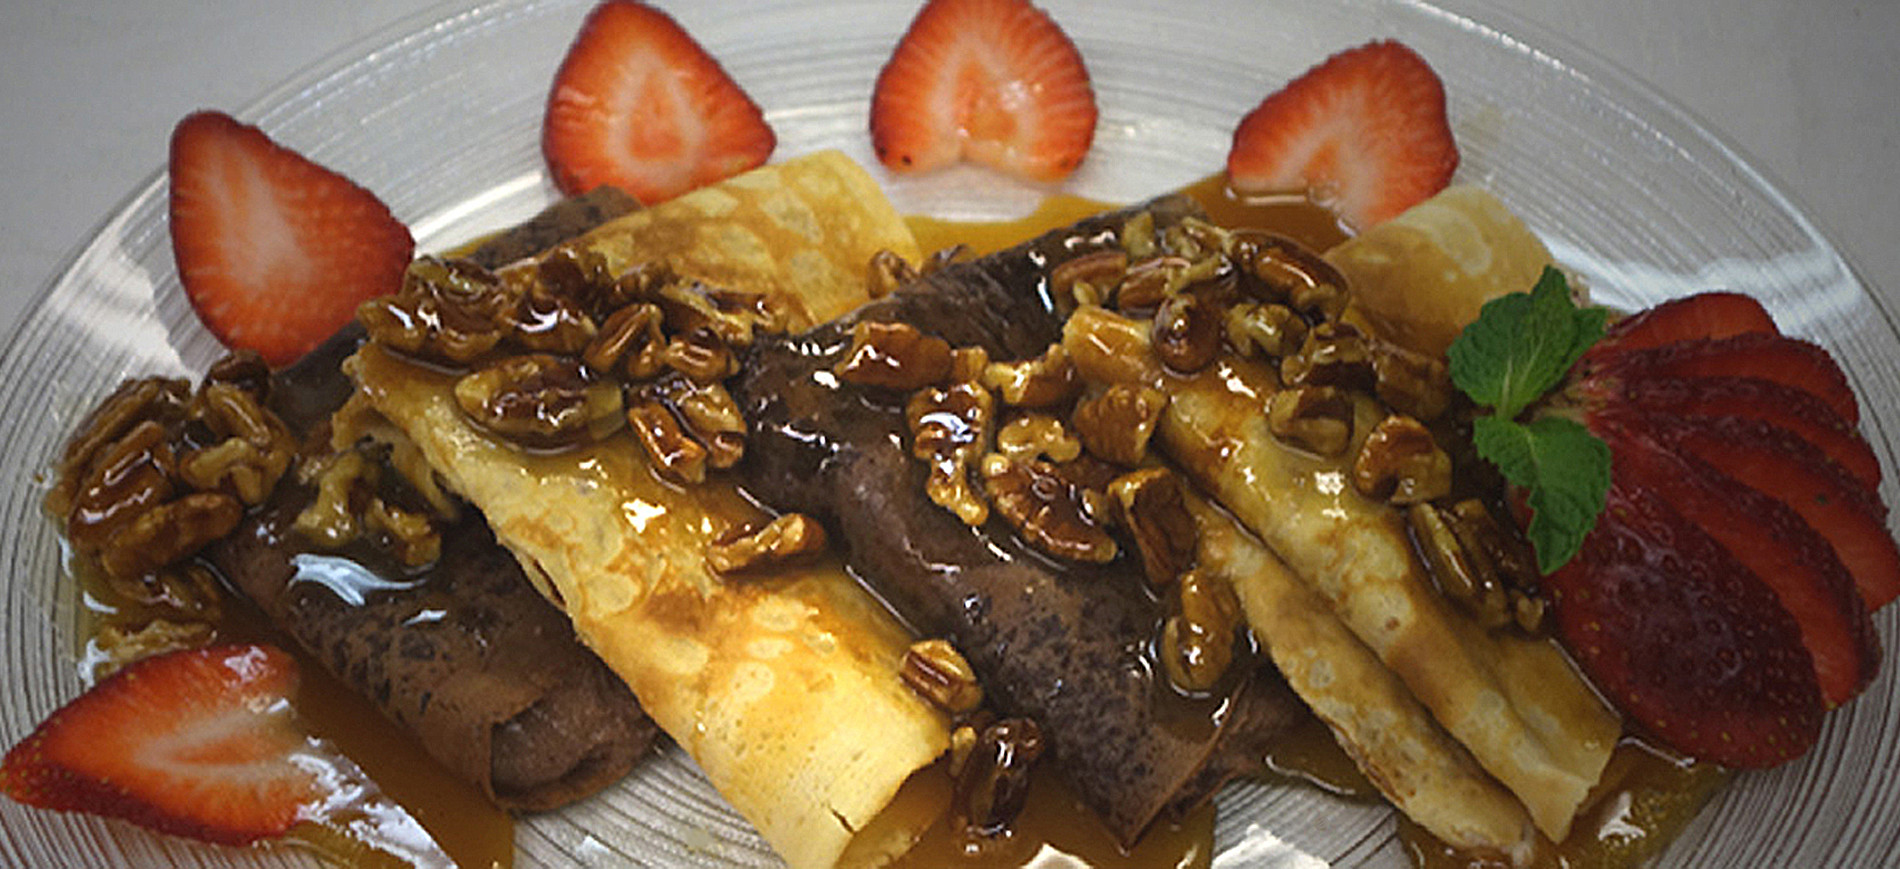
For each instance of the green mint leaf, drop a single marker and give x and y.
(1522, 344)
(1565, 468)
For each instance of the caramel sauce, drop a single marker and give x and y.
(469, 829)
(1645, 798)
(1056, 830)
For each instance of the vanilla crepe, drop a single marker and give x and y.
(1516, 704)
(784, 691)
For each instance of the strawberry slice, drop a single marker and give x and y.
(994, 81)
(1683, 638)
(1714, 314)
(1776, 463)
(275, 251)
(1783, 407)
(196, 743)
(1766, 537)
(1364, 133)
(1776, 358)
(641, 106)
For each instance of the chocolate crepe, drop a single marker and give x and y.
(1063, 644)
(464, 654)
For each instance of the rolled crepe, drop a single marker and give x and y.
(1063, 644)
(785, 690)
(1515, 703)
(464, 654)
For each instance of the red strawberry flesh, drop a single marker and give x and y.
(195, 743)
(1766, 537)
(638, 104)
(275, 251)
(1365, 132)
(993, 81)
(1682, 638)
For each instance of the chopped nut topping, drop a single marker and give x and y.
(1151, 507)
(540, 401)
(1046, 509)
(676, 456)
(1044, 381)
(1115, 426)
(937, 671)
(950, 426)
(1271, 328)
(787, 539)
(1317, 419)
(1037, 436)
(1402, 463)
(894, 356)
(1197, 644)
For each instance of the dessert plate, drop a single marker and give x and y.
(440, 116)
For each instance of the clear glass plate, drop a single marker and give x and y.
(441, 118)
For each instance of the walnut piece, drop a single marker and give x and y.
(787, 539)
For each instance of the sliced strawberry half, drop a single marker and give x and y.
(638, 104)
(1783, 407)
(1684, 639)
(1776, 358)
(993, 81)
(1764, 536)
(1714, 314)
(1364, 132)
(1776, 463)
(275, 251)
(196, 743)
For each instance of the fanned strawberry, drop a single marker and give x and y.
(275, 251)
(1748, 398)
(1780, 359)
(994, 81)
(641, 106)
(1364, 132)
(1776, 463)
(1682, 638)
(1763, 535)
(1714, 314)
(195, 743)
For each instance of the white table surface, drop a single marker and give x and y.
(89, 92)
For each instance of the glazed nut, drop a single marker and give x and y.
(1333, 354)
(1088, 278)
(887, 272)
(1402, 463)
(894, 356)
(1187, 331)
(1037, 436)
(950, 426)
(994, 783)
(1317, 419)
(1281, 269)
(170, 532)
(701, 355)
(1197, 643)
(629, 342)
(540, 401)
(1046, 509)
(1116, 425)
(1150, 505)
(1045, 381)
(1410, 382)
(1270, 328)
(937, 671)
(787, 539)
(675, 455)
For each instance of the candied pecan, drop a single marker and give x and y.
(1151, 507)
(1314, 418)
(1045, 381)
(1115, 426)
(787, 539)
(950, 426)
(540, 401)
(1402, 463)
(894, 356)
(937, 671)
(1046, 509)
(1197, 643)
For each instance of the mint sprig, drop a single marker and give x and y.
(1516, 351)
